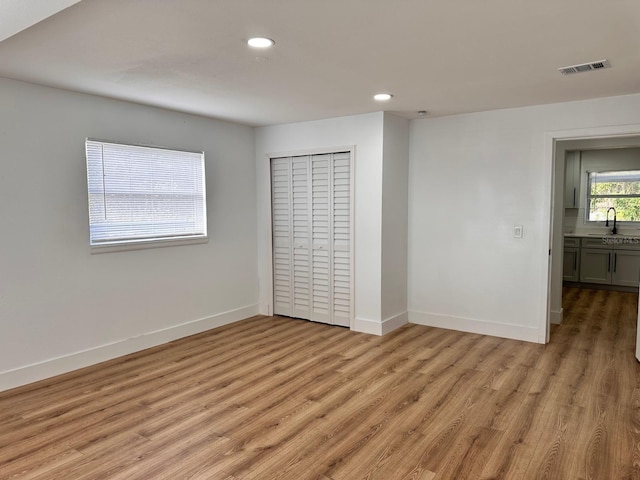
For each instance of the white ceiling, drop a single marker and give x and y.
(330, 56)
(20, 14)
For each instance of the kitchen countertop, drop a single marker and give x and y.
(599, 234)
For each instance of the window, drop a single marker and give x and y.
(141, 195)
(617, 189)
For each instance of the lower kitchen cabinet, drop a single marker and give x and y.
(571, 264)
(626, 268)
(608, 264)
(595, 265)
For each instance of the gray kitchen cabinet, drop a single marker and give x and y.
(571, 264)
(610, 261)
(572, 180)
(571, 259)
(626, 268)
(595, 265)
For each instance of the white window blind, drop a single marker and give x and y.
(140, 194)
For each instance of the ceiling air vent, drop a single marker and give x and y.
(585, 67)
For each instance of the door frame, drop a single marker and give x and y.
(552, 251)
(269, 240)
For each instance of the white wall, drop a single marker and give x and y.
(395, 197)
(60, 306)
(472, 178)
(365, 133)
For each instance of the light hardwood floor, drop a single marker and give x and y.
(275, 398)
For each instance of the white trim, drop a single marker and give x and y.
(557, 316)
(374, 327)
(311, 151)
(391, 323)
(266, 306)
(472, 325)
(145, 244)
(352, 228)
(67, 363)
(265, 309)
(269, 242)
(364, 325)
(551, 138)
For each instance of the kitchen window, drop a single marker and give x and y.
(618, 189)
(141, 196)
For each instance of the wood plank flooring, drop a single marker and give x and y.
(276, 398)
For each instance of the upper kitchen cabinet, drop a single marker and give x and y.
(572, 180)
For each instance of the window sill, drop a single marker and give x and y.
(146, 244)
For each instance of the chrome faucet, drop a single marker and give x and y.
(614, 230)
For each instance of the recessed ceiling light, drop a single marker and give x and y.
(260, 42)
(382, 97)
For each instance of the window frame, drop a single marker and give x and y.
(589, 196)
(149, 241)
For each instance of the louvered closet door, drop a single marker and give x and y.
(301, 236)
(341, 224)
(290, 216)
(282, 226)
(311, 237)
(320, 239)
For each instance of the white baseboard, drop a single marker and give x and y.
(394, 322)
(375, 327)
(67, 363)
(504, 330)
(364, 325)
(557, 316)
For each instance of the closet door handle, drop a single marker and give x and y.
(609, 262)
(575, 261)
(574, 196)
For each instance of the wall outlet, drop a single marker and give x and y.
(517, 231)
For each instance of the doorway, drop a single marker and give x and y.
(557, 146)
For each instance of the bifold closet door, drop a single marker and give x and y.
(341, 239)
(311, 215)
(291, 240)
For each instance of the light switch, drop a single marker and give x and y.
(517, 231)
